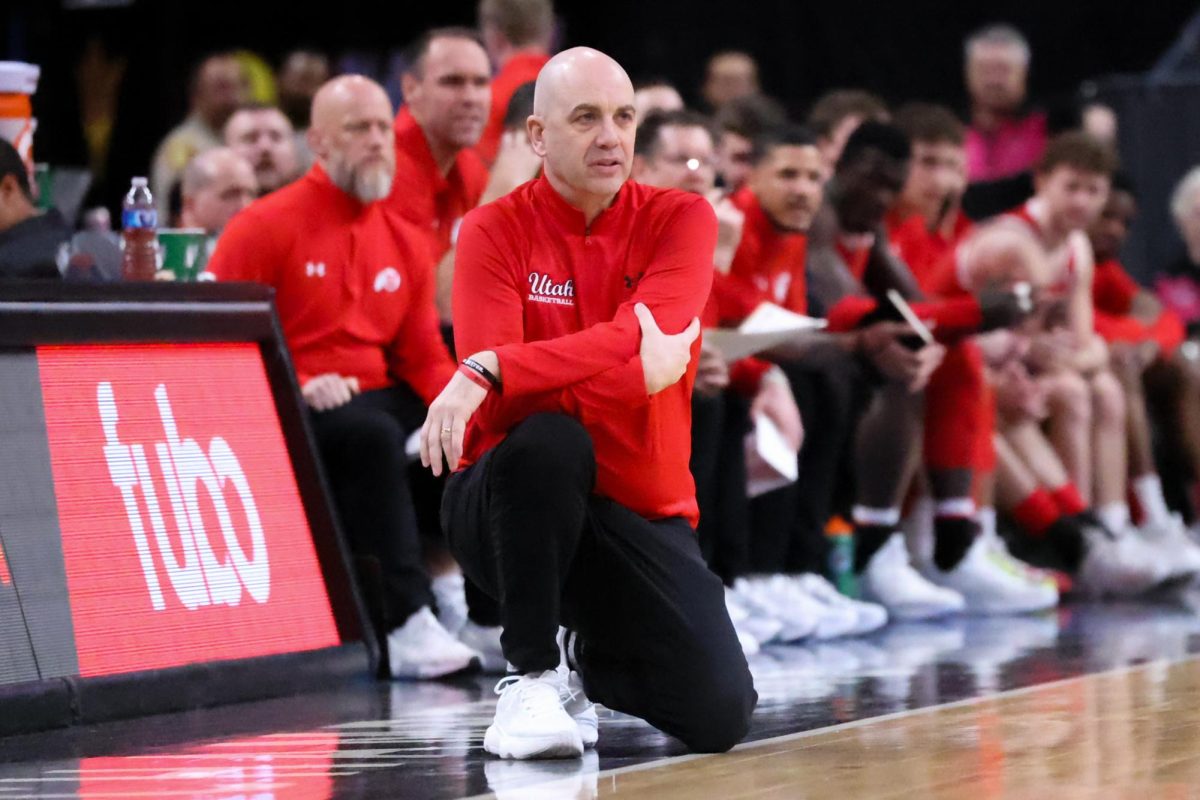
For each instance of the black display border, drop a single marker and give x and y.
(37, 313)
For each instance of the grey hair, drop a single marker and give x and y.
(998, 34)
(1185, 193)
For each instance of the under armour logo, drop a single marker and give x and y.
(631, 281)
(388, 280)
(316, 268)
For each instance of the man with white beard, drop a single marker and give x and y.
(354, 291)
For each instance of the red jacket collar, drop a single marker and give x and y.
(324, 187)
(412, 146)
(569, 217)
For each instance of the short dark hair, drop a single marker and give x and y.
(789, 135)
(1080, 150)
(646, 143)
(833, 107)
(11, 163)
(929, 123)
(520, 106)
(414, 54)
(750, 116)
(522, 22)
(872, 135)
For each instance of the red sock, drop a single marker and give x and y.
(1068, 499)
(1037, 512)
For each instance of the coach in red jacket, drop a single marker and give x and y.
(570, 424)
(354, 290)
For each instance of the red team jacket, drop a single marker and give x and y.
(433, 202)
(554, 299)
(353, 285)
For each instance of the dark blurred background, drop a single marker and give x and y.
(902, 51)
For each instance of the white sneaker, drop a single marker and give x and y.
(450, 592)
(990, 587)
(867, 616)
(530, 719)
(750, 625)
(799, 617)
(890, 580)
(582, 710)
(422, 648)
(1119, 564)
(486, 642)
(1175, 548)
(574, 699)
(833, 619)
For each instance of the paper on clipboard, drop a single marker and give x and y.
(767, 326)
(770, 461)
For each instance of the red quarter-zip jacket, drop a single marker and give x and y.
(353, 285)
(434, 202)
(554, 299)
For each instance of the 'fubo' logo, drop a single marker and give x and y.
(192, 569)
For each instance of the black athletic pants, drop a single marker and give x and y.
(362, 452)
(653, 636)
(719, 426)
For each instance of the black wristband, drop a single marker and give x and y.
(475, 366)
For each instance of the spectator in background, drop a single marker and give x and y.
(836, 115)
(217, 88)
(517, 35)
(515, 160)
(302, 73)
(739, 123)
(216, 184)
(730, 75)
(355, 297)
(263, 136)
(1178, 286)
(1004, 137)
(655, 94)
(29, 241)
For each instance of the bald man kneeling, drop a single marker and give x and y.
(568, 428)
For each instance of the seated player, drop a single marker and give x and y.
(1087, 419)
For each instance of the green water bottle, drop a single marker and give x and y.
(841, 556)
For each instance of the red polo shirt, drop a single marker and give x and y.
(554, 299)
(516, 72)
(434, 202)
(353, 285)
(768, 266)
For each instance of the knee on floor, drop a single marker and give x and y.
(719, 714)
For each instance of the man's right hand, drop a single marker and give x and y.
(881, 344)
(664, 357)
(329, 391)
(712, 373)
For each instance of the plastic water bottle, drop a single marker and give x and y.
(139, 239)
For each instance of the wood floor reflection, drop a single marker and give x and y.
(1127, 734)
